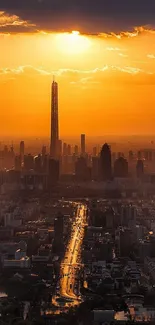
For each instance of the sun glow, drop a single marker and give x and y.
(75, 32)
(73, 43)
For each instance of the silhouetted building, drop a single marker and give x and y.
(131, 155)
(28, 162)
(140, 169)
(95, 168)
(33, 181)
(83, 144)
(54, 121)
(38, 164)
(64, 149)
(146, 155)
(82, 171)
(13, 176)
(76, 150)
(105, 163)
(59, 148)
(120, 154)
(18, 163)
(94, 152)
(69, 150)
(139, 155)
(2, 177)
(53, 172)
(121, 167)
(43, 151)
(22, 150)
(150, 155)
(45, 160)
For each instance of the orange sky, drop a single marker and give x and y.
(106, 83)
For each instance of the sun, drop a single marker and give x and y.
(73, 43)
(75, 32)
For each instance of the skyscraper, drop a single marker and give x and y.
(69, 150)
(83, 144)
(28, 162)
(53, 172)
(22, 150)
(18, 163)
(64, 149)
(140, 169)
(105, 163)
(76, 150)
(121, 167)
(54, 121)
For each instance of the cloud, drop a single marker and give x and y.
(27, 70)
(135, 32)
(113, 49)
(123, 55)
(88, 16)
(112, 75)
(12, 22)
(85, 81)
(22, 17)
(151, 56)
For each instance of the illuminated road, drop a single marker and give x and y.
(70, 267)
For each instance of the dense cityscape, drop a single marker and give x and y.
(77, 242)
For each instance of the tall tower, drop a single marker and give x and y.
(54, 121)
(22, 150)
(105, 163)
(83, 144)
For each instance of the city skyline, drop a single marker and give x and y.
(77, 162)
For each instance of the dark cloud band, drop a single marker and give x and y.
(86, 15)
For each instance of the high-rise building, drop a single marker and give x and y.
(95, 168)
(45, 164)
(59, 148)
(22, 150)
(131, 155)
(28, 162)
(83, 144)
(94, 151)
(54, 121)
(69, 150)
(82, 171)
(64, 149)
(43, 151)
(53, 172)
(18, 162)
(139, 155)
(121, 167)
(105, 163)
(76, 150)
(140, 168)
(38, 164)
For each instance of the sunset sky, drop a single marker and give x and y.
(106, 72)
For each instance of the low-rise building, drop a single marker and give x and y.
(24, 262)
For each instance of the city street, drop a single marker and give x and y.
(70, 267)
